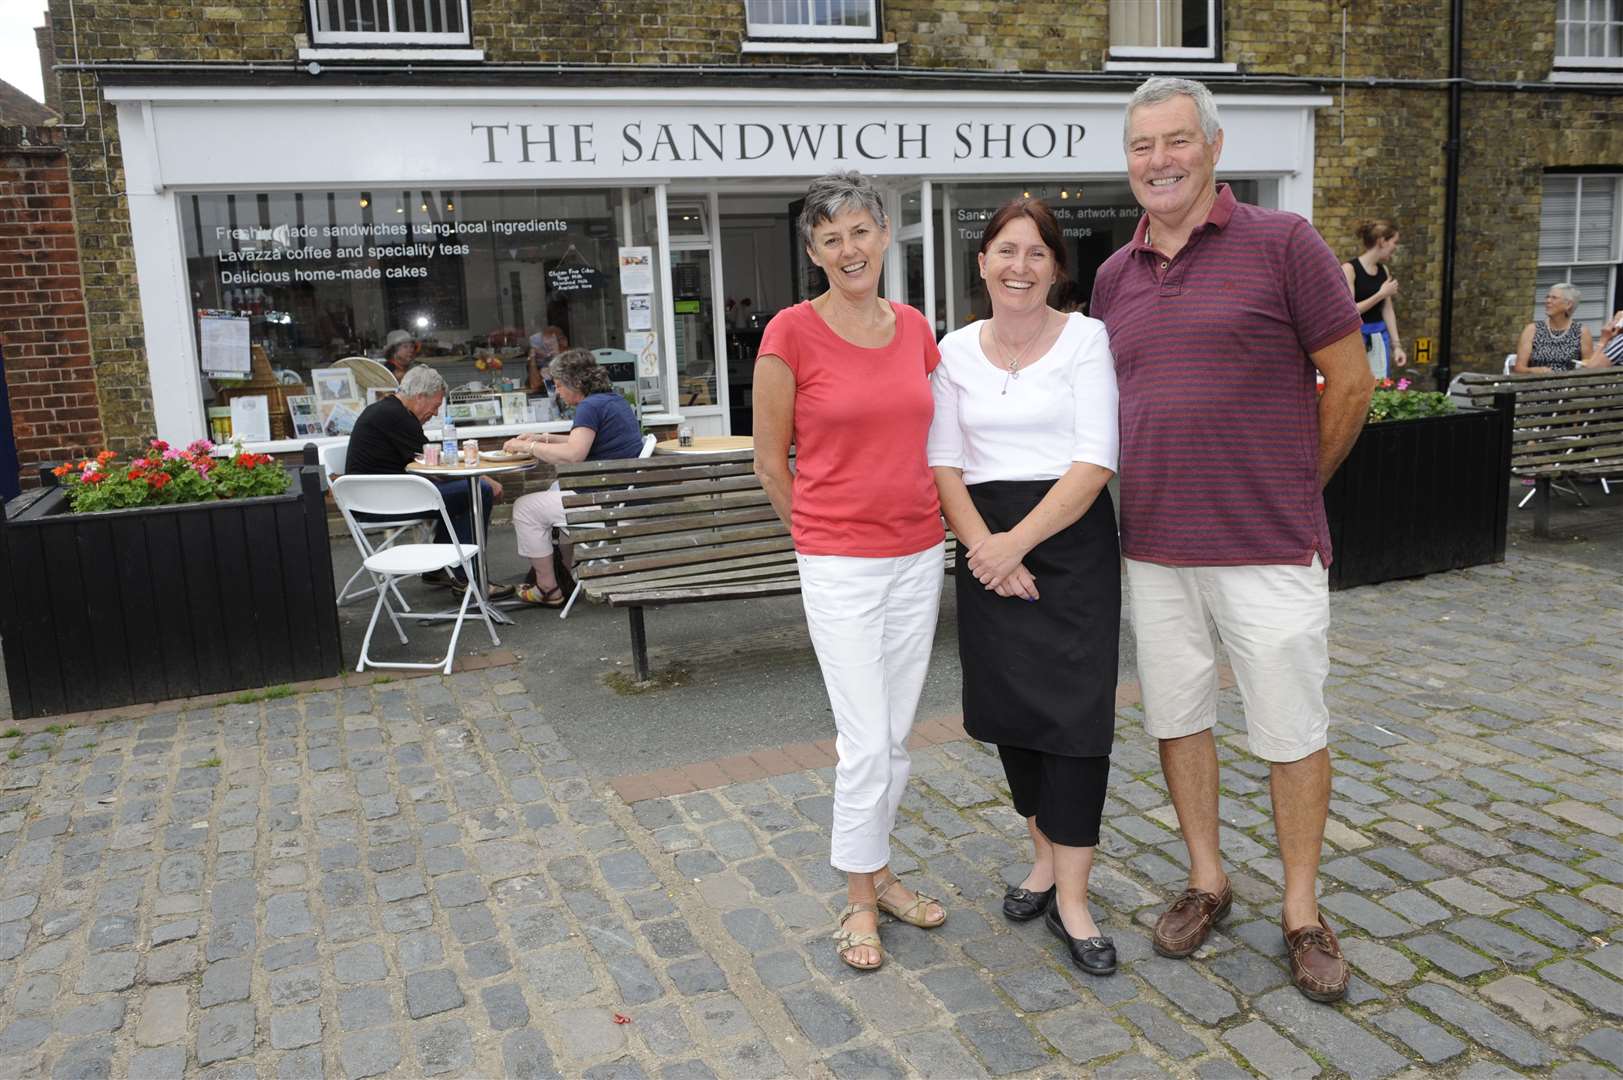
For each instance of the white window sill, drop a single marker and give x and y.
(487, 431)
(351, 52)
(1147, 63)
(1594, 78)
(871, 48)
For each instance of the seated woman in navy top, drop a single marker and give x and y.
(605, 427)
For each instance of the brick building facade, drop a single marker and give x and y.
(43, 327)
(1369, 78)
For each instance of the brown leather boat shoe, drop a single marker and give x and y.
(1183, 927)
(1317, 966)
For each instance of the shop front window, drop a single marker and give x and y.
(695, 341)
(1096, 217)
(482, 285)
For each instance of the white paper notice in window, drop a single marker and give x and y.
(645, 344)
(225, 345)
(639, 311)
(636, 270)
(250, 417)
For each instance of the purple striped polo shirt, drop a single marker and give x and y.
(1219, 403)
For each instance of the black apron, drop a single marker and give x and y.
(1042, 676)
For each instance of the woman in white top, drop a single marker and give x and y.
(1022, 444)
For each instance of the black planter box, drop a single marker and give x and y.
(1421, 496)
(125, 606)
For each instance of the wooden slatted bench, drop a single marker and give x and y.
(675, 529)
(1567, 426)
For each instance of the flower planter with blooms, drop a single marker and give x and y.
(181, 573)
(164, 476)
(1423, 490)
(1395, 401)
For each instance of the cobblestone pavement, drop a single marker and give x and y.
(417, 878)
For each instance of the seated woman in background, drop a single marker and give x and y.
(605, 427)
(1557, 342)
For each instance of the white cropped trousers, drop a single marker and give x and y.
(872, 622)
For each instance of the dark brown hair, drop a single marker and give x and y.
(1048, 231)
(578, 368)
(1374, 230)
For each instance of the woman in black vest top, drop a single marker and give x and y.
(1373, 287)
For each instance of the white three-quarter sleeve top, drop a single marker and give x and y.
(1058, 409)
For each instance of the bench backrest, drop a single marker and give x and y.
(672, 519)
(1564, 422)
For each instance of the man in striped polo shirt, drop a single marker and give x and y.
(1220, 316)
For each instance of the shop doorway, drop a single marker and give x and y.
(737, 260)
(764, 269)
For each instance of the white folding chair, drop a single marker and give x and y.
(648, 443)
(334, 458)
(395, 497)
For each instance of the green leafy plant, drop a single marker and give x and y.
(1395, 401)
(166, 476)
(11, 733)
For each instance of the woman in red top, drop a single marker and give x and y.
(844, 377)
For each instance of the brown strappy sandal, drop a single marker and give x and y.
(912, 914)
(846, 940)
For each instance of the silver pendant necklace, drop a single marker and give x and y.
(1013, 365)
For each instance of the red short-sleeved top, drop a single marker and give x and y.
(1219, 405)
(862, 485)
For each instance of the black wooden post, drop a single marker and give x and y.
(1505, 406)
(1541, 507)
(639, 643)
(311, 491)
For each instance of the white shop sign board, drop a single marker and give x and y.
(251, 138)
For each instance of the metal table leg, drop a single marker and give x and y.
(476, 493)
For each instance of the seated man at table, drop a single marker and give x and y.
(389, 434)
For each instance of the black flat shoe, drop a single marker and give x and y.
(1023, 905)
(1094, 955)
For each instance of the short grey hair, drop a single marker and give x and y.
(1165, 87)
(1569, 292)
(421, 381)
(832, 195)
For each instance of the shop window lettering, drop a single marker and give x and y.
(723, 142)
(476, 280)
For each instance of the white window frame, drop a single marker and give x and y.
(322, 36)
(1566, 266)
(1562, 26)
(808, 30)
(1173, 52)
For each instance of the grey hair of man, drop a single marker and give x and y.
(1569, 292)
(832, 195)
(421, 381)
(1165, 87)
